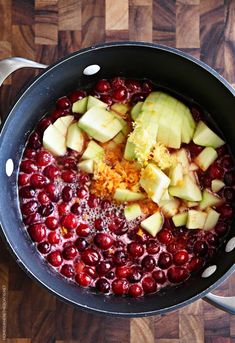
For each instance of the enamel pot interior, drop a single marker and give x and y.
(168, 68)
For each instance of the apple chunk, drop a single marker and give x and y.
(75, 138)
(54, 141)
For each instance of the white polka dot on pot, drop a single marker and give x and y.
(209, 271)
(9, 167)
(230, 245)
(91, 69)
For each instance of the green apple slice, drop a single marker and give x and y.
(87, 166)
(196, 219)
(120, 108)
(217, 185)
(183, 158)
(94, 102)
(209, 200)
(180, 219)
(206, 158)
(176, 174)
(170, 207)
(136, 109)
(80, 106)
(206, 137)
(62, 124)
(124, 195)
(211, 220)
(75, 138)
(54, 141)
(188, 190)
(120, 138)
(93, 152)
(153, 224)
(188, 126)
(132, 212)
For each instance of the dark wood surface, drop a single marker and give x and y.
(45, 30)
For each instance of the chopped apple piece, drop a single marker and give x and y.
(124, 195)
(62, 124)
(94, 102)
(206, 137)
(209, 200)
(93, 152)
(165, 196)
(120, 138)
(120, 108)
(170, 207)
(193, 167)
(206, 158)
(132, 212)
(176, 174)
(211, 220)
(75, 138)
(188, 126)
(183, 158)
(135, 111)
(153, 224)
(87, 166)
(80, 106)
(217, 185)
(196, 219)
(192, 204)
(180, 219)
(129, 153)
(188, 190)
(154, 182)
(54, 141)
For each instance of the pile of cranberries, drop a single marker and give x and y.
(86, 238)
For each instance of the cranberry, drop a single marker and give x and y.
(103, 285)
(34, 141)
(221, 228)
(67, 270)
(43, 198)
(196, 113)
(83, 230)
(51, 172)
(79, 266)
(227, 162)
(93, 201)
(43, 158)
(69, 221)
(103, 241)
(67, 193)
(135, 274)
(147, 86)
(102, 86)
(117, 82)
(43, 124)
(194, 149)
(83, 279)
(33, 219)
(58, 113)
(37, 232)
(76, 95)
(177, 274)
(149, 285)
(105, 204)
(76, 209)
(29, 207)
(103, 267)
(63, 209)
(53, 238)
(107, 99)
(27, 192)
(120, 287)
(28, 166)
(84, 178)
(67, 163)
(226, 211)
(119, 258)
(51, 223)
(164, 236)
(91, 271)
(98, 223)
(180, 258)
(110, 275)
(38, 181)
(229, 193)
(122, 272)
(195, 263)
(215, 171)
(165, 260)
(90, 256)
(135, 249)
(46, 210)
(133, 86)
(159, 276)
(148, 263)
(229, 178)
(137, 97)
(52, 192)
(152, 247)
(206, 181)
(135, 291)
(81, 244)
(120, 94)
(23, 179)
(200, 248)
(55, 258)
(69, 252)
(44, 247)
(69, 176)
(29, 153)
(82, 193)
(118, 226)
(212, 239)
(63, 103)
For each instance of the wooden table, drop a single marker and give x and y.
(47, 30)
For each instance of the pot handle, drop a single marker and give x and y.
(9, 65)
(226, 304)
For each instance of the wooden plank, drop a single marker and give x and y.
(116, 15)
(69, 41)
(5, 20)
(163, 329)
(141, 23)
(70, 15)
(142, 330)
(22, 12)
(164, 22)
(191, 328)
(46, 22)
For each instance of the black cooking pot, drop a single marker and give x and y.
(167, 67)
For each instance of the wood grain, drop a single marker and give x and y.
(46, 30)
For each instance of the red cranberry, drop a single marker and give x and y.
(81, 244)
(229, 178)
(164, 236)
(221, 228)
(133, 86)
(120, 287)
(83, 230)
(148, 263)
(102, 86)
(215, 171)
(43, 124)
(58, 113)
(200, 248)
(53, 238)
(180, 258)
(69, 252)
(29, 207)
(33, 219)
(137, 97)
(122, 272)
(177, 274)
(147, 86)
(103, 241)
(135, 274)
(29, 153)
(51, 172)
(212, 239)
(91, 271)
(135, 249)
(195, 264)
(44, 247)
(38, 181)
(43, 198)
(84, 178)
(82, 193)
(67, 270)
(118, 226)
(46, 210)
(52, 192)
(76, 95)
(23, 179)
(34, 141)
(67, 193)
(110, 275)
(28, 166)
(69, 176)
(229, 194)
(83, 279)
(120, 94)
(196, 113)
(165, 260)
(135, 291)
(67, 163)
(27, 192)
(98, 223)
(63, 209)
(93, 201)
(152, 247)
(103, 285)
(226, 211)
(51, 223)
(194, 149)
(43, 158)
(117, 82)
(159, 276)
(227, 162)
(119, 258)
(149, 285)
(63, 103)
(105, 204)
(37, 232)
(76, 209)
(103, 267)
(107, 99)
(90, 257)
(69, 221)
(206, 181)
(55, 258)
(223, 150)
